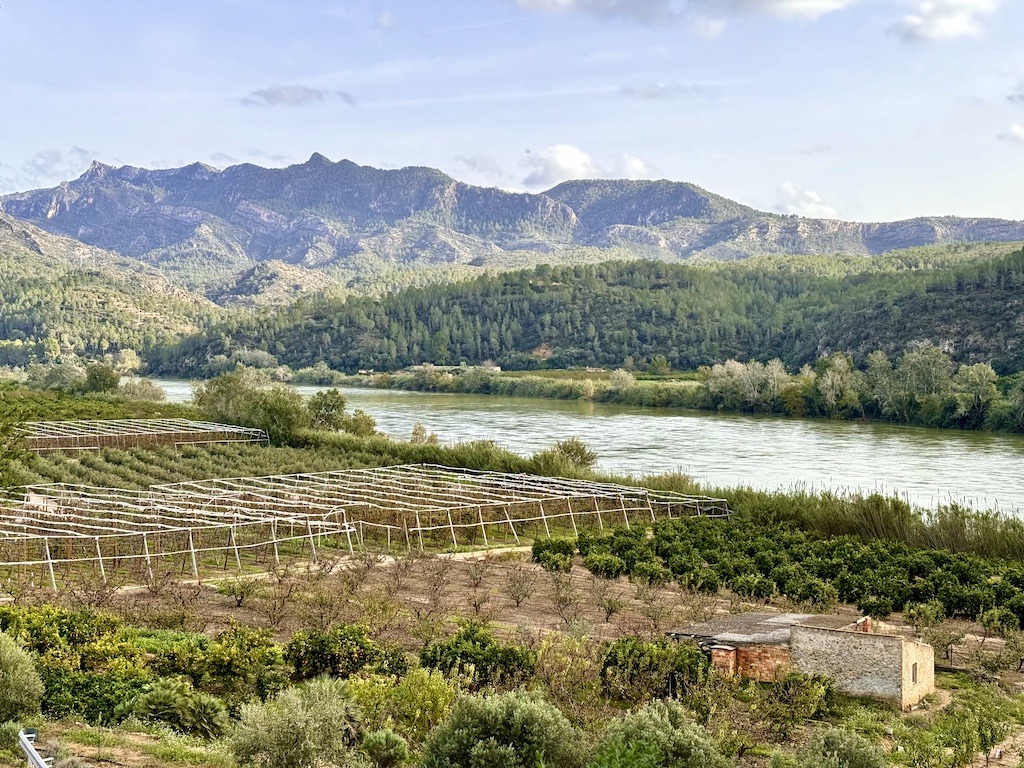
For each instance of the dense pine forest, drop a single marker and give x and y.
(965, 301)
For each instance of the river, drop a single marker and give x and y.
(925, 466)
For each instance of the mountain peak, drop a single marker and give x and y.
(96, 170)
(317, 159)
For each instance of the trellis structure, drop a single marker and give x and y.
(255, 521)
(421, 506)
(63, 528)
(45, 436)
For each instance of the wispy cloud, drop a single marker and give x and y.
(705, 11)
(481, 164)
(293, 96)
(45, 168)
(663, 90)
(942, 20)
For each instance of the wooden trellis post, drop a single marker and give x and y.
(572, 518)
(312, 545)
(49, 563)
(511, 524)
(419, 529)
(625, 514)
(483, 528)
(192, 554)
(544, 517)
(451, 526)
(149, 561)
(234, 546)
(273, 537)
(597, 509)
(99, 559)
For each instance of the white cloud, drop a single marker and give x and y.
(706, 14)
(560, 163)
(1013, 135)
(293, 96)
(563, 162)
(632, 167)
(647, 11)
(806, 9)
(805, 203)
(941, 20)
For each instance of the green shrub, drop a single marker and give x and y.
(565, 547)
(177, 704)
(341, 651)
(651, 572)
(474, 652)
(604, 565)
(46, 628)
(592, 542)
(509, 730)
(659, 735)
(638, 670)
(795, 698)
(96, 697)
(21, 689)
(413, 705)
(309, 725)
(836, 748)
(238, 665)
(555, 562)
(385, 748)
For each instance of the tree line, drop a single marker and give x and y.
(796, 310)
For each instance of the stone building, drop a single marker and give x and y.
(862, 658)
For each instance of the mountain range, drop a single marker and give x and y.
(248, 235)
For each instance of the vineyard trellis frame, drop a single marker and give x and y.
(260, 519)
(94, 434)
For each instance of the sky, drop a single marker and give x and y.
(866, 110)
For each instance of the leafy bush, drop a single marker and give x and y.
(593, 542)
(604, 565)
(21, 689)
(565, 547)
(836, 748)
(651, 572)
(473, 651)
(637, 670)
(301, 727)
(96, 697)
(413, 705)
(555, 562)
(385, 748)
(795, 698)
(658, 734)
(341, 651)
(509, 730)
(177, 704)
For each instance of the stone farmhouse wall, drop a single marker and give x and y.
(866, 664)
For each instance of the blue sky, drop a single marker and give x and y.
(860, 109)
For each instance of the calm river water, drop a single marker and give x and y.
(925, 466)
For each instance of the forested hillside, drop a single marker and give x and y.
(58, 295)
(323, 223)
(794, 309)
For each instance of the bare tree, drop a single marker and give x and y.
(607, 596)
(520, 584)
(477, 571)
(565, 597)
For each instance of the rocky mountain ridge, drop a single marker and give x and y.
(325, 223)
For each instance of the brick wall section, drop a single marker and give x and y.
(723, 659)
(865, 664)
(766, 663)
